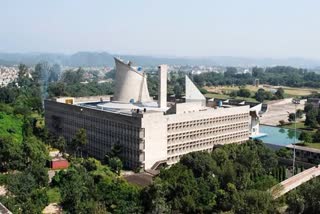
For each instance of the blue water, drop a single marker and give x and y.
(278, 136)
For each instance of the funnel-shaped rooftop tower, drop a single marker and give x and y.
(131, 84)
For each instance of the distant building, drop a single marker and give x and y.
(314, 101)
(7, 75)
(149, 132)
(306, 154)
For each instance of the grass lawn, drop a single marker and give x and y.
(3, 179)
(224, 96)
(300, 125)
(40, 119)
(313, 145)
(54, 195)
(11, 126)
(289, 91)
(218, 96)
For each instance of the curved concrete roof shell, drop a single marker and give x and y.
(131, 84)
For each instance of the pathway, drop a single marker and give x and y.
(294, 181)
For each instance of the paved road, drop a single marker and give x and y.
(295, 181)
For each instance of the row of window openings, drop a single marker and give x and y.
(130, 131)
(128, 154)
(188, 127)
(105, 135)
(220, 139)
(207, 121)
(206, 132)
(177, 157)
(105, 141)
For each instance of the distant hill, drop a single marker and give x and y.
(106, 59)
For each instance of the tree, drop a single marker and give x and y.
(295, 202)
(318, 117)
(311, 118)
(253, 201)
(26, 194)
(299, 113)
(243, 92)
(203, 91)
(34, 151)
(116, 165)
(10, 155)
(284, 153)
(230, 72)
(23, 79)
(260, 95)
(308, 107)
(279, 93)
(57, 89)
(257, 72)
(282, 122)
(200, 163)
(305, 199)
(316, 136)
(79, 140)
(292, 117)
(60, 144)
(305, 137)
(77, 190)
(90, 164)
(118, 196)
(233, 94)
(154, 199)
(55, 72)
(39, 173)
(199, 80)
(178, 90)
(268, 95)
(72, 77)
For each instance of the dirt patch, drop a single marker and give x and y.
(141, 179)
(52, 208)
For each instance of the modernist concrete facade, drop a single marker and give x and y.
(150, 133)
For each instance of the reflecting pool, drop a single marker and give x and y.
(277, 135)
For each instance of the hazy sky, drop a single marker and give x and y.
(254, 28)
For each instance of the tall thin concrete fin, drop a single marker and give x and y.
(162, 91)
(192, 92)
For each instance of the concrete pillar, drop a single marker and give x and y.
(162, 91)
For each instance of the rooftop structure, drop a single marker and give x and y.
(131, 84)
(150, 133)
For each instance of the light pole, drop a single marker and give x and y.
(295, 138)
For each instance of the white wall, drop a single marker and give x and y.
(155, 126)
(162, 93)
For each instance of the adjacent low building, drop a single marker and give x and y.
(315, 102)
(149, 133)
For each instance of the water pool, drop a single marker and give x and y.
(278, 136)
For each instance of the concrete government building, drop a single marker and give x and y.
(150, 132)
